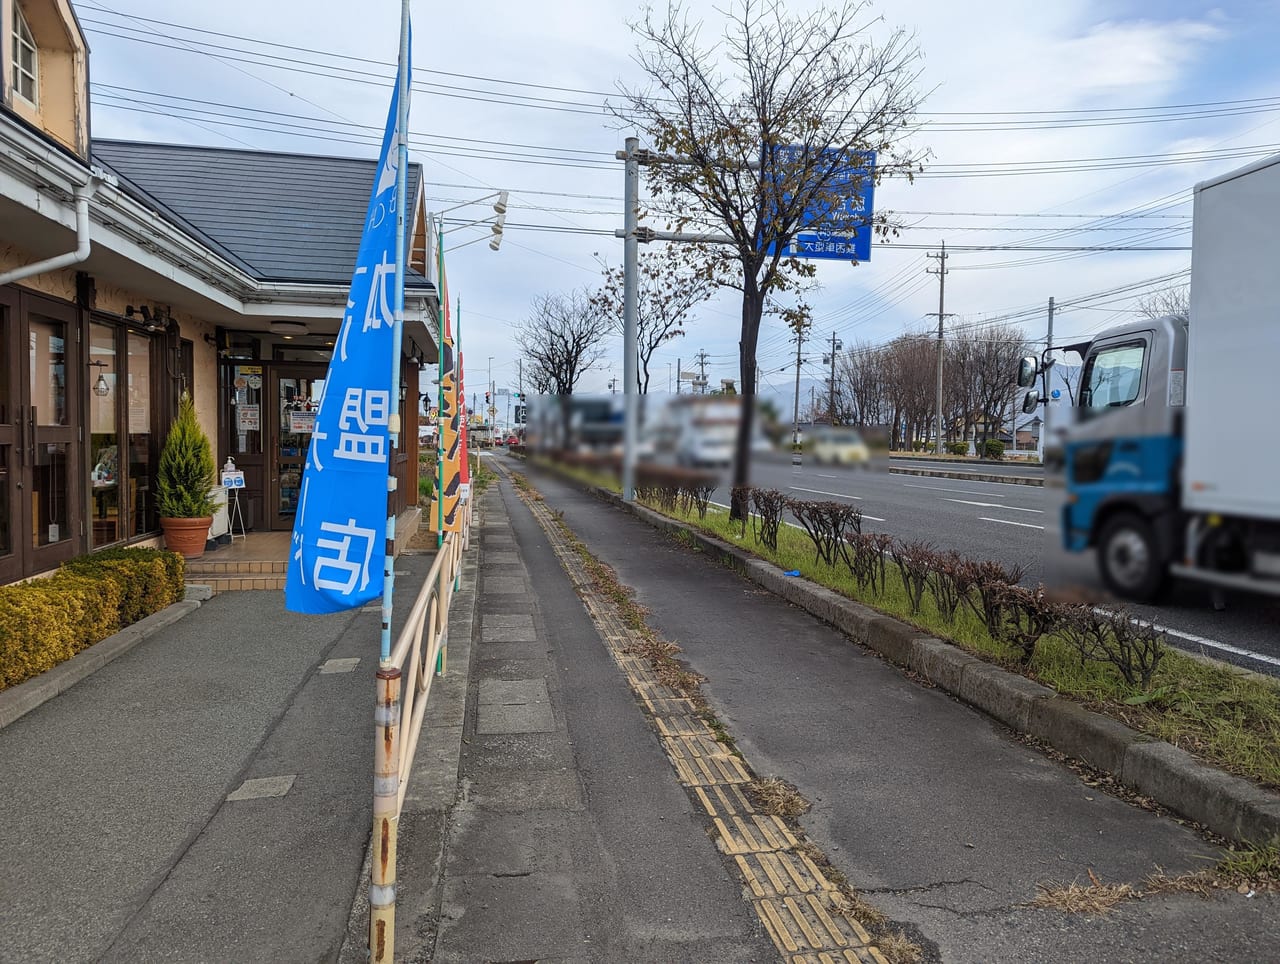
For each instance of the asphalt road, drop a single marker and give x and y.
(1015, 524)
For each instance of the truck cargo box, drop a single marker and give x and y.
(1232, 430)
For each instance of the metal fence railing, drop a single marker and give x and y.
(419, 655)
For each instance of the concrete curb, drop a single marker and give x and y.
(903, 457)
(1227, 805)
(17, 701)
(970, 476)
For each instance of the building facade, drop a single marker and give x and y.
(131, 273)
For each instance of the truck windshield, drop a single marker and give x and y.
(1113, 376)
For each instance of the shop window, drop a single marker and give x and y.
(105, 477)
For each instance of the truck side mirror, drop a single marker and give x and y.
(1028, 369)
(1030, 402)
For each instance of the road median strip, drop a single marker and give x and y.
(1228, 805)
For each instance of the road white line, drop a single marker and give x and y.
(823, 475)
(1021, 485)
(1199, 640)
(838, 495)
(1025, 525)
(940, 488)
(995, 505)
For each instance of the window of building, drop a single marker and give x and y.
(24, 58)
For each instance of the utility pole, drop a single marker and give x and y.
(941, 272)
(520, 379)
(1048, 385)
(795, 427)
(630, 315)
(613, 386)
(702, 370)
(836, 345)
(677, 376)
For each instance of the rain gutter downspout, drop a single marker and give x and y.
(82, 193)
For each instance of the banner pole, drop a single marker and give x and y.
(441, 298)
(386, 768)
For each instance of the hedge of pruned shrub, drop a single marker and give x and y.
(47, 621)
(1011, 613)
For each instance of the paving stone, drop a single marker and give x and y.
(510, 585)
(262, 787)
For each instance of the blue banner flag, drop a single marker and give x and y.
(340, 531)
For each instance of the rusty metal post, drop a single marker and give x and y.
(386, 816)
(442, 612)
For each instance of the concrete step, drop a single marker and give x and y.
(222, 575)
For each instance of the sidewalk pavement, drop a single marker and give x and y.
(569, 838)
(204, 797)
(544, 821)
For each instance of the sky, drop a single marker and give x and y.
(1080, 123)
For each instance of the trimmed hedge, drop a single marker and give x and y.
(47, 621)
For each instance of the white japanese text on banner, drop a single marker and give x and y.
(339, 533)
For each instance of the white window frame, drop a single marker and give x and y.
(24, 40)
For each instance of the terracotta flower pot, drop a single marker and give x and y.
(186, 536)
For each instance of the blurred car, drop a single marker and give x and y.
(512, 440)
(840, 446)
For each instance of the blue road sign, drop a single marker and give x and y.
(839, 228)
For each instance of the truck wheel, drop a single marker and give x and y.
(1129, 558)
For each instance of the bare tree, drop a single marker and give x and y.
(672, 281)
(996, 351)
(562, 338)
(1174, 301)
(766, 124)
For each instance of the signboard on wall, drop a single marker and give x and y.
(248, 418)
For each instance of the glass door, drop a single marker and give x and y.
(41, 518)
(295, 392)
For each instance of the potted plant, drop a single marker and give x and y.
(185, 484)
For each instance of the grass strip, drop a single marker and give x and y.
(1214, 711)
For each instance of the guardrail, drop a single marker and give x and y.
(419, 655)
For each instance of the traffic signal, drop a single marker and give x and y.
(486, 398)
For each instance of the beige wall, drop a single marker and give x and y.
(62, 108)
(113, 300)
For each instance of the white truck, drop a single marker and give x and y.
(1173, 461)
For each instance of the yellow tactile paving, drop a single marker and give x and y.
(680, 726)
(798, 906)
(781, 873)
(723, 800)
(752, 834)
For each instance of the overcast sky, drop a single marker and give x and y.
(1102, 66)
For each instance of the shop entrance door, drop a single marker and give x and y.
(295, 392)
(40, 515)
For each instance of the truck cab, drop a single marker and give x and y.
(1123, 453)
(1172, 467)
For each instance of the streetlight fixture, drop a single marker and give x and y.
(500, 210)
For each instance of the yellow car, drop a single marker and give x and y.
(840, 446)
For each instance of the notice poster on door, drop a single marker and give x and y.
(248, 418)
(302, 422)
